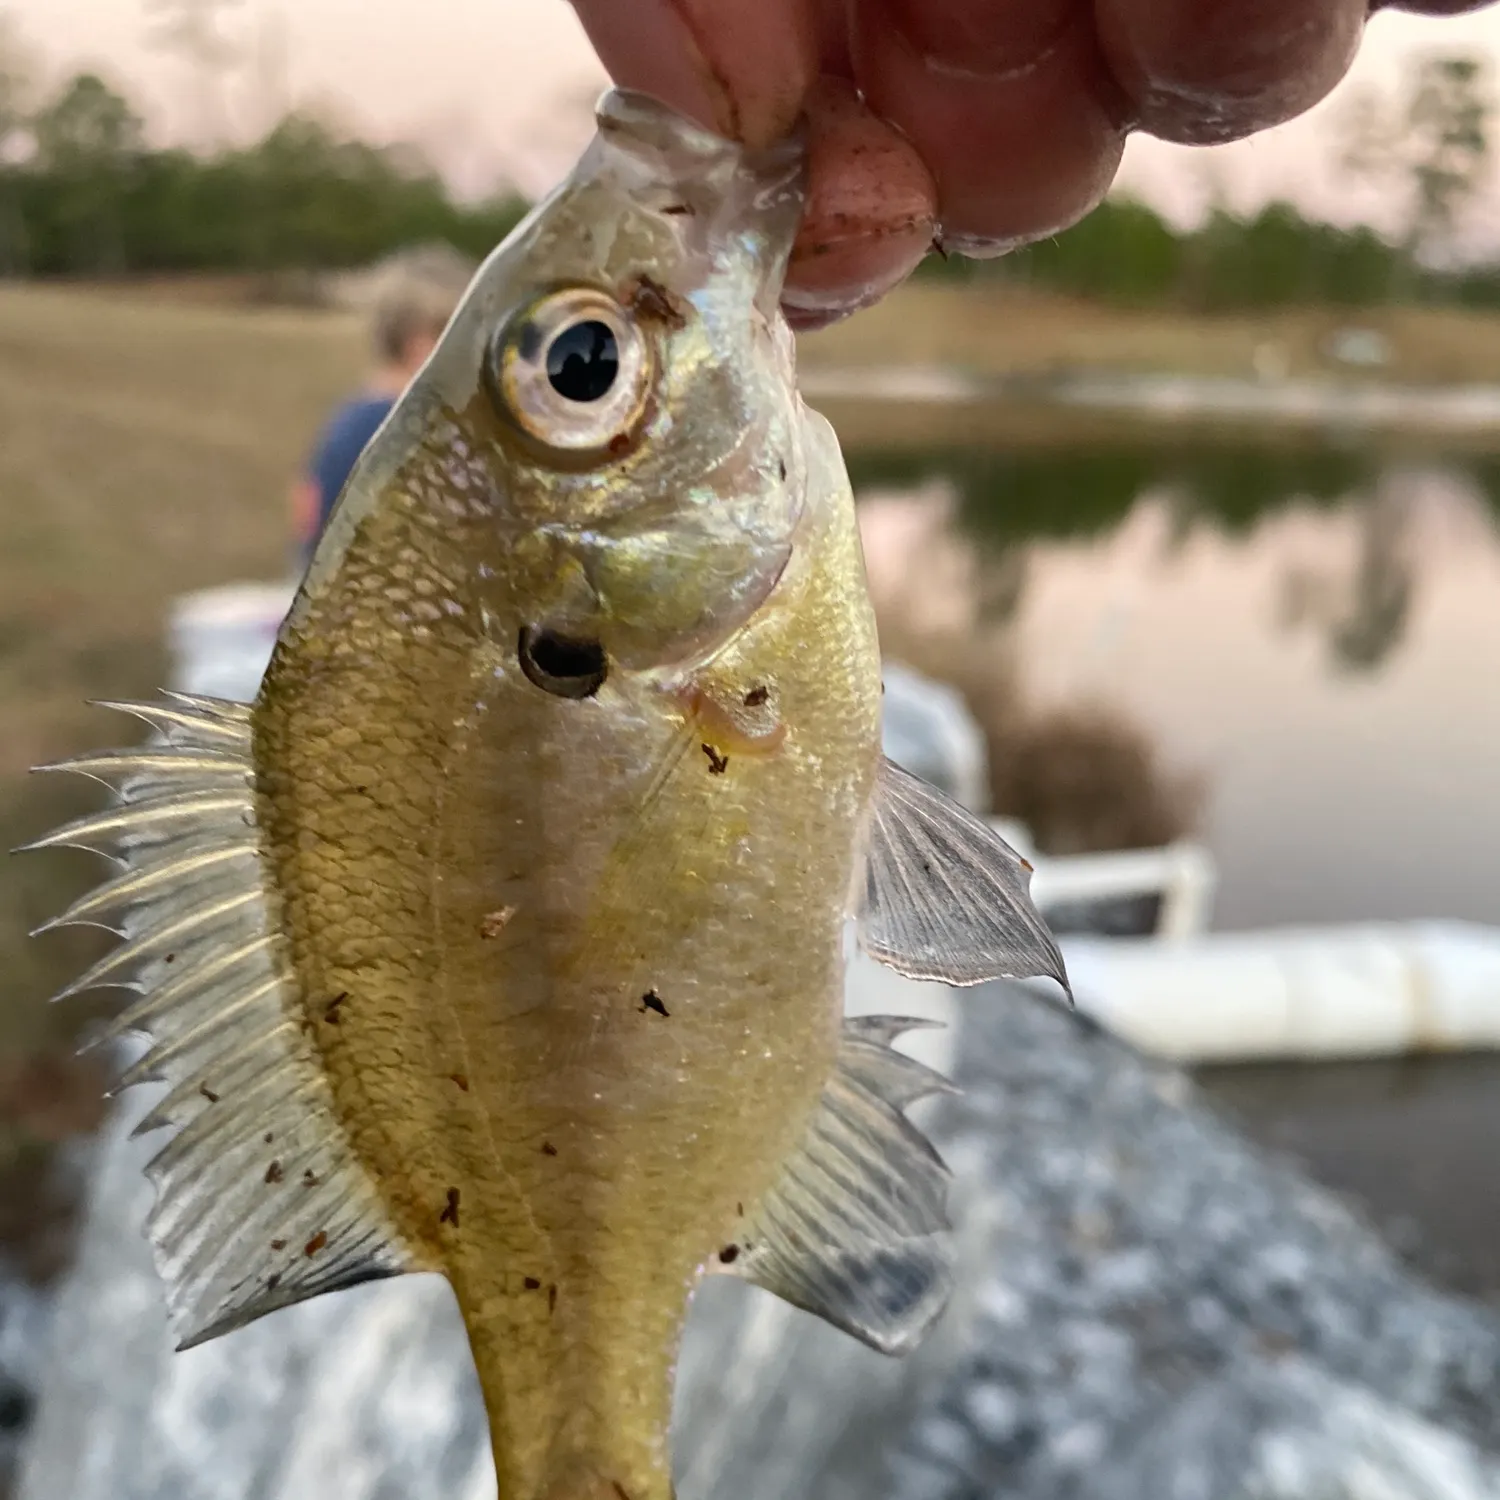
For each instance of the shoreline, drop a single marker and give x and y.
(1360, 408)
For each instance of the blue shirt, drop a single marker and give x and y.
(344, 437)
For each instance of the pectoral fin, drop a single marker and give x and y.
(261, 1201)
(856, 1231)
(946, 898)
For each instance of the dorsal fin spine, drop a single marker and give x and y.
(221, 1002)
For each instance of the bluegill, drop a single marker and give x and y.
(504, 934)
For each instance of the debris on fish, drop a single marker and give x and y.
(503, 934)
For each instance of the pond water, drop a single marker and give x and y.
(1312, 637)
(1315, 637)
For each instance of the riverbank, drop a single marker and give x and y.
(991, 329)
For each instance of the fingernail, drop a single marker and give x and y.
(977, 247)
(869, 216)
(840, 277)
(806, 314)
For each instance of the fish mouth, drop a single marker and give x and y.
(683, 143)
(722, 190)
(567, 666)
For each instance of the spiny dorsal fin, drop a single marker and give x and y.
(260, 1200)
(856, 1230)
(946, 898)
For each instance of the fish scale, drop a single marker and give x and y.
(503, 935)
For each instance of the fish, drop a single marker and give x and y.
(504, 934)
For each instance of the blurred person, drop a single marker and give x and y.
(971, 125)
(409, 316)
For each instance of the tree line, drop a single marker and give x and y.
(88, 197)
(1125, 253)
(82, 193)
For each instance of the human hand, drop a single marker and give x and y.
(978, 124)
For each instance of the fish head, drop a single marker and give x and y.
(616, 398)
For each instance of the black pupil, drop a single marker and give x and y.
(582, 361)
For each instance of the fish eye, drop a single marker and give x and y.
(574, 370)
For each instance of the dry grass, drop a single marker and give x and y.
(145, 448)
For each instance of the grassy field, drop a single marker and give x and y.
(145, 450)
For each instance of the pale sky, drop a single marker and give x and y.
(495, 89)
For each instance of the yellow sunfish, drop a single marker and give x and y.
(503, 935)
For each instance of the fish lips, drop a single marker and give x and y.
(730, 190)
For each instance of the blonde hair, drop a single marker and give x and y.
(410, 308)
(416, 294)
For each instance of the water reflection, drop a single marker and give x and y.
(1291, 649)
(1011, 498)
(1363, 615)
(1410, 1139)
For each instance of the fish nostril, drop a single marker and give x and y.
(562, 665)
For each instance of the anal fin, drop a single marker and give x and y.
(946, 898)
(856, 1230)
(261, 1201)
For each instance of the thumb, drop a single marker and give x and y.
(741, 67)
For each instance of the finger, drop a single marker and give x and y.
(1203, 73)
(1010, 106)
(742, 70)
(1430, 7)
(993, 37)
(831, 23)
(870, 210)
